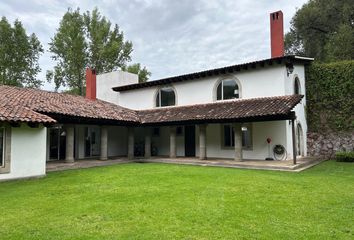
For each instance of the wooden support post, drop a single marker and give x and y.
(294, 140)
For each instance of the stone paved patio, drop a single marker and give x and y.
(287, 165)
(302, 163)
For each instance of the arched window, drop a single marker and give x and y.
(227, 89)
(165, 97)
(297, 88)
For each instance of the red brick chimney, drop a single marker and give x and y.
(90, 84)
(277, 34)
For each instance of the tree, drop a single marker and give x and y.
(323, 29)
(143, 73)
(70, 52)
(84, 40)
(19, 54)
(107, 49)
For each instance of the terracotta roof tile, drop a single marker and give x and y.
(225, 110)
(31, 105)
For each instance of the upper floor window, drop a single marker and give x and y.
(297, 88)
(165, 97)
(227, 89)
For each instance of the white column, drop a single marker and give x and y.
(202, 142)
(69, 154)
(104, 143)
(173, 152)
(130, 142)
(48, 144)
(147, 142)
(294, 140)
(238, 141)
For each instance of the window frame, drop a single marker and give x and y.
(250, 128)
(2, 129)
(5, 167)
(297, 84)
(220, 82)
(158, 97)
(246, 148)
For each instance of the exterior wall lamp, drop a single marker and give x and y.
(289, 68)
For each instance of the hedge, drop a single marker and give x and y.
(345, 156)
(330, 96)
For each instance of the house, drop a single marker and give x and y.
(236, 112)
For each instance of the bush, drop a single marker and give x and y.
(345, 156)
(330, 96)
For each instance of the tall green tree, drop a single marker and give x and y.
(323, 29)
(69, 49)
(83, 40)
(19, 54)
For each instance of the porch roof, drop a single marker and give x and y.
(240, 110)
(38, 106)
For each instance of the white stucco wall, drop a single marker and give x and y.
(260, 82)
(276, 130)
(300, 109)
(28, 152)
(106, 81)
(117, 141)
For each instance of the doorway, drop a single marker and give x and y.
(92, 141)
(57, 143)
(189, 141)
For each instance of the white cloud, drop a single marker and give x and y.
(169, 37)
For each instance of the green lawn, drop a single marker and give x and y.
(165, 201)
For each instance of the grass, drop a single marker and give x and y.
(163, 201)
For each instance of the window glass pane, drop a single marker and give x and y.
(179, 130)
(230, 89)
(246, 137)
(227, 139)
(218, 92)
(2, 140)
(297, 86)
(156, 131)
(157, 99)
(167, 97)
(232, 132)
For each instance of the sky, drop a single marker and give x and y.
(169, 37)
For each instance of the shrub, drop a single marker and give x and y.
(330, 96)
(345, 156)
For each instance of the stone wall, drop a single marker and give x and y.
(326, 144)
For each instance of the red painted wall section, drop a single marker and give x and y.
(90, 84)
(277, 34)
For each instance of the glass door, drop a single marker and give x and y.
(92, 141)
